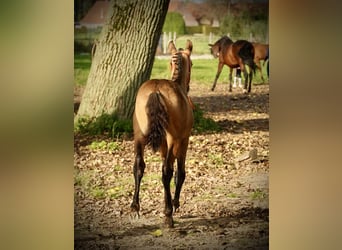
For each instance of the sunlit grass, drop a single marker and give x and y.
(203, 71)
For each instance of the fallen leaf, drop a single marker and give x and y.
(157, 233)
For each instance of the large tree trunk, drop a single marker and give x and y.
(124, 57)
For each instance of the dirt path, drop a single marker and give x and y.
(224, 201)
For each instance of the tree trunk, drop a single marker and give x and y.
(124, 57)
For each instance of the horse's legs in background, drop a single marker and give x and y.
(180, 175)
(167, 172)
(230, 78)
(138, 171)
(245, 74)
(250, 78)
(219, 69)
(260, 70)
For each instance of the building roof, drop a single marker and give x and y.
(96, 15)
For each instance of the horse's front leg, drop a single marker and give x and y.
(167, 172)
(138, 171)
(179, 180)
(219, 69)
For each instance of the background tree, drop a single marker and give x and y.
(124, 57)
(174, 22)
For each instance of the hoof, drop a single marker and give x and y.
(169, 222)
(175, 204)
(134, 216)
(135, 207)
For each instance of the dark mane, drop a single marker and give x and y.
(223, 43)
(176, 59)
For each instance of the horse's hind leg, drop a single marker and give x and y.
(138, 171)
(260, 70)
(167, 172)
(250, 77)
(179, 180)
(180, 175)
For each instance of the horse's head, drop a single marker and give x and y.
(181, 64)
(214, 49)
(219, 46)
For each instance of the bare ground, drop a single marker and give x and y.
(224, 200)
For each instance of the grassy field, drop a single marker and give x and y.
(203, 70)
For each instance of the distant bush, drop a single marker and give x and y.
(231, 24)
(241, 26)
(174, 22)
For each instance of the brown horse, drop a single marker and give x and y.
(260, 53)
(234, 55)
(163, 119)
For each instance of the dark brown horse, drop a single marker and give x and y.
(234, 54)
(163, 119)
(260, 53)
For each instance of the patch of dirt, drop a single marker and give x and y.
(224, 200)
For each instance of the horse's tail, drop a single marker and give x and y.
(158, 120)
(247, 55)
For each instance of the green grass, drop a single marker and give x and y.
(103, 145)
(104, 124)
(232, 195)
(258, 194)
(81, 69)
(203, 71)
(216, 159)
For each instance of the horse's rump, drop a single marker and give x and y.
(246, 53)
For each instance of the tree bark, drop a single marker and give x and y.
(123, 58)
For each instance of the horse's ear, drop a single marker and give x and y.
(171, 47)
(188, 46)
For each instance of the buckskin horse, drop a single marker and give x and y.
(260, 53)
(163, 119)
(234, 55)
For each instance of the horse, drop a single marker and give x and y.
(163, 119)
(261, 53)
(234, 55)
